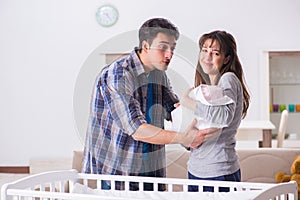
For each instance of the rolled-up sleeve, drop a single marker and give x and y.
(118, 96)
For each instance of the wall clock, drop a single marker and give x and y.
(107, 15)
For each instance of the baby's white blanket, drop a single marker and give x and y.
(237, 195)
(209, 95)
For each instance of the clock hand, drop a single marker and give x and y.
(107, 15)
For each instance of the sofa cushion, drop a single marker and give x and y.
(262, 164)
(77, 160)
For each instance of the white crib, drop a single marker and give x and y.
(69, 184)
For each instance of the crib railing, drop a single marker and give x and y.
(58, 184)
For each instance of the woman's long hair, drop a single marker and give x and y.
(228, 48)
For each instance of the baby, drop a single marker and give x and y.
(210, 95)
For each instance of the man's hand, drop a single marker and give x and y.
(193, 137)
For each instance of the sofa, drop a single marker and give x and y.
(257, 165)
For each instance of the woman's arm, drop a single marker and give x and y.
(219, 114)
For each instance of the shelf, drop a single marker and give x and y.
(290, 113)
(284, 84)
(283, 53)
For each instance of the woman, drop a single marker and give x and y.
(218, 65)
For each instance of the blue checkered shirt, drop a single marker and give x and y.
(118, 108)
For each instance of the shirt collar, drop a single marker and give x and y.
(138, 65)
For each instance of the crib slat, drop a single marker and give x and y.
(185, 188)
(61, 186)
(42, 187)
(85, 182)
(216, 188)
(71, 185)
(52, 187)
(155, 187)
(113, 185)
(126, 185)
(99, 184)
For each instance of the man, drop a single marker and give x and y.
(132, 97)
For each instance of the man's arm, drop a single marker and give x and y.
(192, 137)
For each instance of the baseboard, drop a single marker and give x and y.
(15, 169)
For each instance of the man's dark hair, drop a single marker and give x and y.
(152, 27)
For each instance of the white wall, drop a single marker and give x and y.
(44, 44)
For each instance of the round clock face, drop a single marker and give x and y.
(107, 15)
